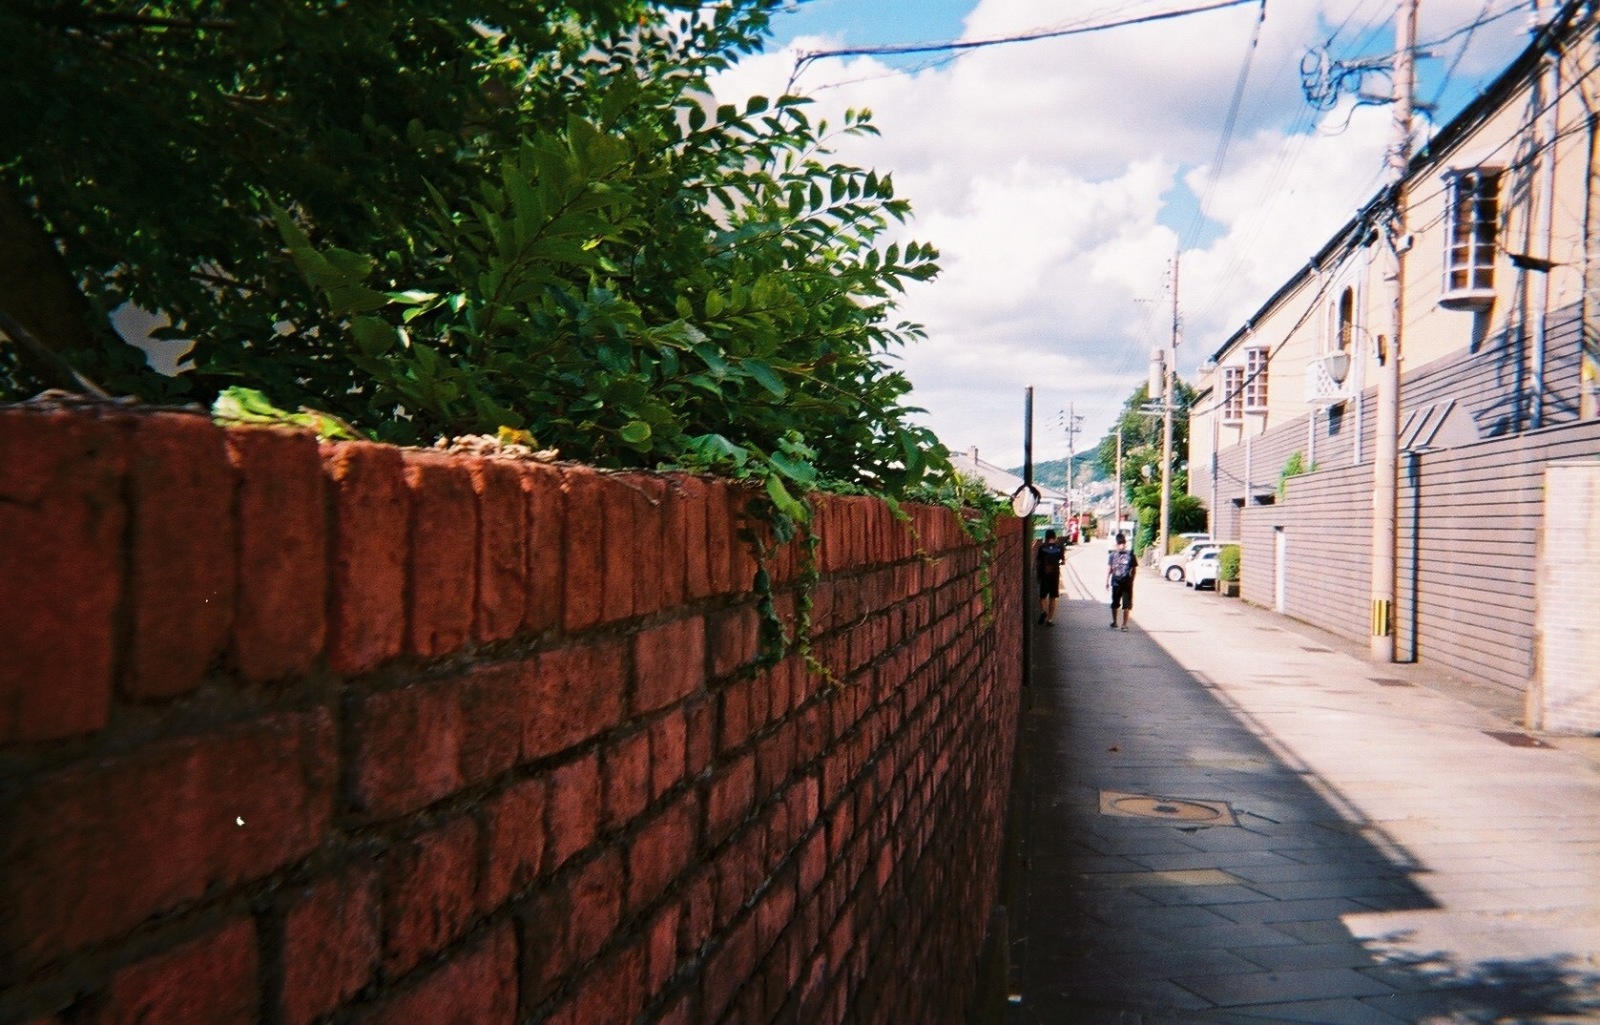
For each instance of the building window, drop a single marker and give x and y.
(1255, 385)
(1347, 320)
(1232, 395)
(1473, 223)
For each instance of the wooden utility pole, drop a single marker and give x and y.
(1386, 453)
(1169, 368)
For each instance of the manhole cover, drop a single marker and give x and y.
(1172, 809)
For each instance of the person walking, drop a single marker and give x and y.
(1048, 555)
(1120, 569)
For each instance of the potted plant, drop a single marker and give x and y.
(1228, 571)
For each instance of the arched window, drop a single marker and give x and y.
(1347, 320)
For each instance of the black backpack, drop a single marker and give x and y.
(1121, 565)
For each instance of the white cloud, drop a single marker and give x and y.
(1052, 176)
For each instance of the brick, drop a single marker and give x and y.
(813, 861)
(542, 607)
(583, 545)
(662, 851)
(371, 536)
(775, 757)
(721, 538)
(597, 901)
(734, 637)
(330, 943)
(280, 622)
(671, 530)
(62, 518)
(184, 815)
(515, 840)
(728, 968)
(476, 987)
(625, 772)
(493, 701)
(728, 798)
(574, 809)
(571, 695)
(742, 559)
(429, 893)
(662, 937)
(180, 582)
(701, 720)
(502, 550)
(210, 980)
(733, 720)
(668, 742)
(442, 573)
(620, 551)
(613, 990)
(687, 529)
(669, 664)
(407, 748)
(544, 920)
(658, 576)
(699, 911)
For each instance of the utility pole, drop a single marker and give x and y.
(1072, 424)
(1169, 366)
(1116, 524)
(1386, 453)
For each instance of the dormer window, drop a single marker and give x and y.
(1472, 228)
(1255, 386)
(1232, 395)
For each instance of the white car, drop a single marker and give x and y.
(1173, 566)
(1205, 568)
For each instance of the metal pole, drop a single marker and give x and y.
(1028, 590)
(1166, 420)
(1386, 449)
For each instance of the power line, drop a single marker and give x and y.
(1228, 125)
(1027, 37)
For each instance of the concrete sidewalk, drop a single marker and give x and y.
(1233, 818)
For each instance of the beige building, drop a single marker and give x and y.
(1499, 357)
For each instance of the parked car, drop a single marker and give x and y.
(1204, 568)
(1172, 567)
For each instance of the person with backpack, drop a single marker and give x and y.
(1120, 569)
(1048, 556)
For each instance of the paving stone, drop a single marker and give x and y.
(1355, 888)
(1277, 987)
(1326, 1012)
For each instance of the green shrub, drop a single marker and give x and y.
(1228, 562)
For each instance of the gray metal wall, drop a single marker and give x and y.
(1469, 514)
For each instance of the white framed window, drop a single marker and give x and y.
(1472, 226)
(1255, 383)
(1232, 395)
(1344, 336)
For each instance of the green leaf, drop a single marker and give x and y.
(374, 336)
(765, 376)
(782, 500)
(636, 432)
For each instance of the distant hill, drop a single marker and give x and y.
(1053, 472)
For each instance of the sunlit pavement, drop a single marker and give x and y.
(1230, 817)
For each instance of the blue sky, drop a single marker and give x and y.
(863, 22)
(1060, 177)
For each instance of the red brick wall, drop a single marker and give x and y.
(293, 733)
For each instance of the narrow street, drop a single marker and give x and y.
(1233, 818)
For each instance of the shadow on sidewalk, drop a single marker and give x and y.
(1175, 867)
